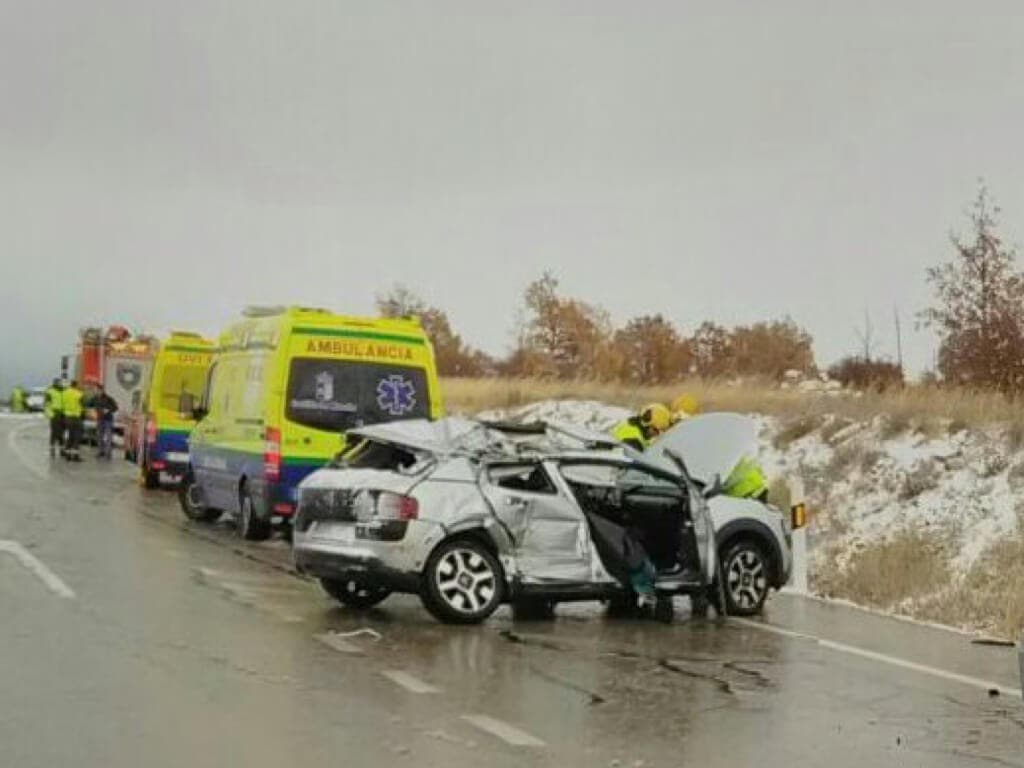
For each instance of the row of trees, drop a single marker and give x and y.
(977, 314)
(559, 336)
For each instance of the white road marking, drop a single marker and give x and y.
(507, 733)
(331, 640)
(883, 658)
(35, 565)
(409, 682)
(12, 443)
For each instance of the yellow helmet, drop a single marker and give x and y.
(685, 405)
(655, 417)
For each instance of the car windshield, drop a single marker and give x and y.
(337, 395)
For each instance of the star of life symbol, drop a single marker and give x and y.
(396, 395)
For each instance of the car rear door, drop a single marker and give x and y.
(547, 527)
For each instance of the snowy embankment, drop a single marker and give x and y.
(903, 518)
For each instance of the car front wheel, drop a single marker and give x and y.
(463, 582)
(745, 569)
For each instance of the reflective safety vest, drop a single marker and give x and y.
(54, 402)
(18, 400)
(746, 481)
(629, 432)
(72, 401)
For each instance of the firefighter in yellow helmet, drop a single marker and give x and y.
(683, 407)
(638, 431)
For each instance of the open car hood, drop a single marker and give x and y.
(710, 445)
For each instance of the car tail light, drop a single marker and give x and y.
(272, 454)
(150, 431)
(395, 506)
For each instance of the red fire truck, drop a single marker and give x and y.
(119, 361)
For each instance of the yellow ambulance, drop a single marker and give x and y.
(156, 436)
(285, 385)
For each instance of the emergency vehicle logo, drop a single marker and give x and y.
(396, 395)
(128, 375)
(324, 387)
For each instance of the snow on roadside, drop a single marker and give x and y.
(868, 485)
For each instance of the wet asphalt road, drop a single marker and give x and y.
(182, 646)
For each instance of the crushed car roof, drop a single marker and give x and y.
(457, 435)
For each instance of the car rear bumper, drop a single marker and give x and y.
(326, 551)
(364, 567)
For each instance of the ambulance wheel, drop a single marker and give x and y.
(190, 497)
(250, 527)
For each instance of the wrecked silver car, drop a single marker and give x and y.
(469, 515)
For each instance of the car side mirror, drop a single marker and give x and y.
(714, 488)
(199, 413)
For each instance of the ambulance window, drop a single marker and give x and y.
(181, 385)
(336, 395)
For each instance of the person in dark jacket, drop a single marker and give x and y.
(105, 407)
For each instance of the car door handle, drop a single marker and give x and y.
(517, 502)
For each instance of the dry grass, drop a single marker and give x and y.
(793, 429)
(990, 596)
(912, 564)
(918, 405)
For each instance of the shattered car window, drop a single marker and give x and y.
(530, 478)
(369, 454)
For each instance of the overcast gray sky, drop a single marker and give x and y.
(164, 163)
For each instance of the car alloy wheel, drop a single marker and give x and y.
(465, 580)
(464, 583)
(746, 579)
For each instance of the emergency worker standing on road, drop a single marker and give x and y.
(72, 398)
(53, 409)
(105, 407)
(638, 431)
(18, 400)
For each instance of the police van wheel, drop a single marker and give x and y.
(250, 527)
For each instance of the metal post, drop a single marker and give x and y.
(798, 579)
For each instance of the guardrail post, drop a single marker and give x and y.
(798, 578)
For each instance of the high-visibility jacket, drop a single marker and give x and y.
(18, 400)
(72, 401)
(630, 433)
(54, 404)
(746, 481)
